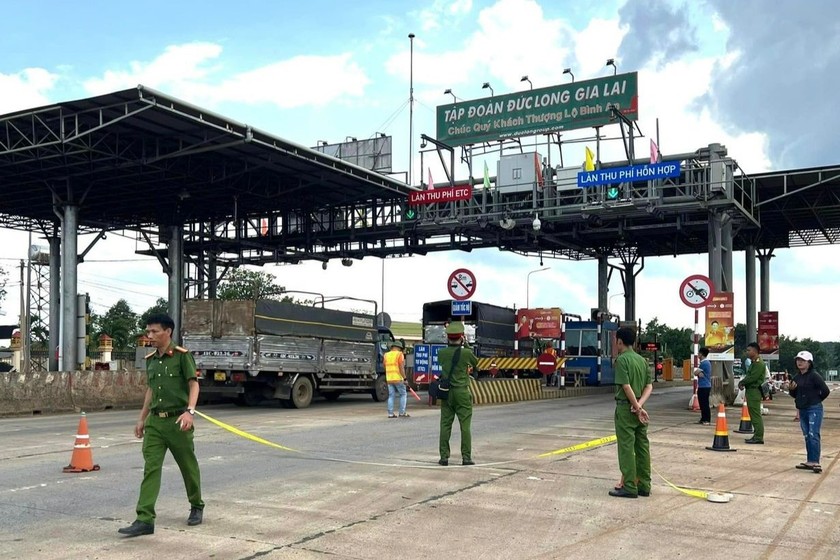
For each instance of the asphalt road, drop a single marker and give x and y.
(362, 486)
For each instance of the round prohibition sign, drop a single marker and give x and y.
(461, 284)
(696, 291)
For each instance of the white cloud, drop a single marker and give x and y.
(440, 13)
(28, 88)
(192, 71)
(174, 69)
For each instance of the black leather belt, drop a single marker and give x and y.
(171, 414)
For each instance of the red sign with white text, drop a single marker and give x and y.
(439, 196)
(768, 334)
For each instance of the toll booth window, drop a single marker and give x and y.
(573, 343)
(517, 173)
(588, 342)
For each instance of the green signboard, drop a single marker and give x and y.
(538, 111)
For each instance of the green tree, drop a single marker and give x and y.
(788, 349)
(241, 283)
(675, 343)
(160, 306)
(120, 323)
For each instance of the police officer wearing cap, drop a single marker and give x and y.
(459, 402)
(166, 422)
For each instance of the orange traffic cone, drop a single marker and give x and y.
(721, 441)
(82, 458)
(746, 426)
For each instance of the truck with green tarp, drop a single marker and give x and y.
(252, 350)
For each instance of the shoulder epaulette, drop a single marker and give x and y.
(150, 354)
(181, 349)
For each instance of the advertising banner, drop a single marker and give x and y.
(768, 334)
(720, 326)
(539, 111)
(538, 323)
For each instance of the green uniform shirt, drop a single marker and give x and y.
(460, 377)
(631, 369)
(168, 377)
(755, 375)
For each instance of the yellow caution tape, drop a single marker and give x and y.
(246, 435)
(610, 439)
(580, 446)
(687, 491)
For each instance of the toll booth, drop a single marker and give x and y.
(590, 350)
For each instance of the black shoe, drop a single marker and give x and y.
(622, 494)
(136, 529)
(196, 516)
(644, 493)
(467, 462)
(753, 440)
(443, 462)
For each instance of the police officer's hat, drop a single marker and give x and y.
(455, 329)
(397, 344)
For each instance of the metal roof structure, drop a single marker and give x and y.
(798, 208)
(141, 160)
(135, 158)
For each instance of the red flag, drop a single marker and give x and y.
(654, 152)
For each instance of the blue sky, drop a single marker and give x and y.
(325, 70)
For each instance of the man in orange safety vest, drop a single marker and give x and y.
(395, 376)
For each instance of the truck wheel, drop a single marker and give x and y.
(331, 395)
(380, 389)
(301, 392)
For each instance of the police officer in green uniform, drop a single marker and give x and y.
(459, 402)
(633, 388)
(166, 422)
(752, 384)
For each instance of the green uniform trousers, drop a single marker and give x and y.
(458, 404)
(162, 434)
(633, 449)
(754, 406)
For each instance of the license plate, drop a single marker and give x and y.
(220, 376)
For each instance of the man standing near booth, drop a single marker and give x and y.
(752, 384)
(633, 388)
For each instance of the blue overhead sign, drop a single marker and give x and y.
(461, 308)
(629, 174)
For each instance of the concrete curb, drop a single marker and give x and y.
(40, 392)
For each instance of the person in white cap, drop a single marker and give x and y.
(809, 390)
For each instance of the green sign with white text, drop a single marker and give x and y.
(539, 111)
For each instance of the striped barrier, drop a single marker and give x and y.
(494, 391)
(506, 363)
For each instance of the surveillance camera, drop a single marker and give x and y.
(423, 145)
(324, 265)
(537, 224)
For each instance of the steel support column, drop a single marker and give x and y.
(629, 260)
(629, 292)
(749, 271)
(764, 274)
(176, 278)
(69, 265)
(720, 251)
(213, 275)
(55, 300)
(603, 282)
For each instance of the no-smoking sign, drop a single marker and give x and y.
(461, 284)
